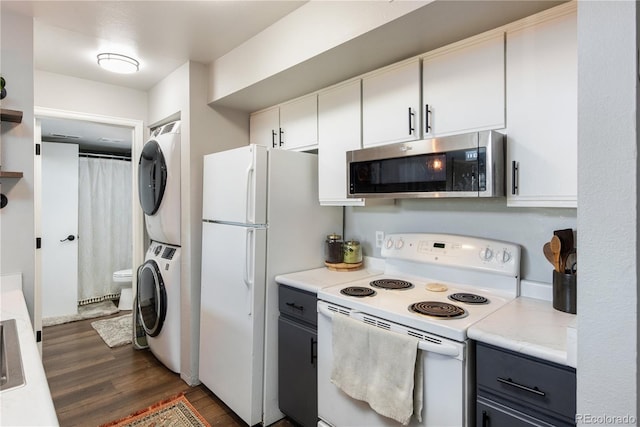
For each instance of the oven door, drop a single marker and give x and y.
(447, 390)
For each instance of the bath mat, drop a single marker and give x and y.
(176, 411)
(116, 331)
(89, 311)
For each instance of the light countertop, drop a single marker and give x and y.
(532, 327)
(318, 278)
(30, 404)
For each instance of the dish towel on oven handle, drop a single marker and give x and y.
(379, 367)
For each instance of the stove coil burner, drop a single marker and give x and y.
(357, 291)
(391, 284)
(468, 298)
(438, 309)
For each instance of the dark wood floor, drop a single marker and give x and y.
(92, 384)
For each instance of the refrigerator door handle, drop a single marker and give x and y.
(250, 213)
(248, 266)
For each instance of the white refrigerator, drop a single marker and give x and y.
(261, 218)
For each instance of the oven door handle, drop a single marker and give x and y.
(442, 348)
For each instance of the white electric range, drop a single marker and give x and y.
(434, 287)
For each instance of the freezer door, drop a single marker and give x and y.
(235, 186)
(232, 316)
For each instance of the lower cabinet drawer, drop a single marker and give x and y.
(549, 388)
(494, 414)
(298, 303)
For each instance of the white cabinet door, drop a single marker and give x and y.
(338, 131)
(264, 127)
(391, 105)
(299, 123)
(463, 88)
(542, 114)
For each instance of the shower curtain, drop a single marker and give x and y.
(104, 229)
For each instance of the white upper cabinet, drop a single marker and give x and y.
(299, 123)
(542, 112)
(339, 131)
(463, 87)
(264, 127)
(290, 126)
(391, 105)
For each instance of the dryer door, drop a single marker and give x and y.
(152, 177)
(152, 298)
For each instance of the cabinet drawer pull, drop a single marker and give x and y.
(485, 419)
(314, 356)
(295, 307)
(509, 381)
(411, 116)
(514, 177)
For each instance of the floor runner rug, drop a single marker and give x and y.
(173, 412)
(116, 331)
(89, 311)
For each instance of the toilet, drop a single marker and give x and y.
(124, 279)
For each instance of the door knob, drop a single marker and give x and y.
(70, 238)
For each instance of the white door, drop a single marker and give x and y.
(299, 123)
(232, 316)
(59, 229)
(391, 105)
(234, 187)
(339, 131)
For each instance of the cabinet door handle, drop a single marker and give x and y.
(514, 177)
(295, 306)
(411, 116)
(273, 138)
(485, 419)
(427, 113)
(509, 381)
(281, 140)
(314, 356)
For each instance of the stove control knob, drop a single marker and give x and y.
(389, 243)
(503, 256)
(400, 244)
(486, 254)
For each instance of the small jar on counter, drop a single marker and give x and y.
(352, 252)
(333, 249)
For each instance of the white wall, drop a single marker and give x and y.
(17, 236)
(60, 92)
(529, 227)
(305, 33)
(607, 361)
(204, 130)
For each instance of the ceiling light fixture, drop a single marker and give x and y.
(118, 63)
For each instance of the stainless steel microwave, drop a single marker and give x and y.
(467, 165)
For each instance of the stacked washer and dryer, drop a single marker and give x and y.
(158, 294)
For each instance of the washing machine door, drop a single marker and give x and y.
(152, 298)
(152, 177)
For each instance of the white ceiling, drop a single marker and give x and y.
(162, 35)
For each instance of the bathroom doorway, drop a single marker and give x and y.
(92, 161)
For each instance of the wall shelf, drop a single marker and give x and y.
(7, 174)
(13, 116)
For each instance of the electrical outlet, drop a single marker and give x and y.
(379, 239)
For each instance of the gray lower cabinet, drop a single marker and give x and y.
(297, 356)
(515, 390)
